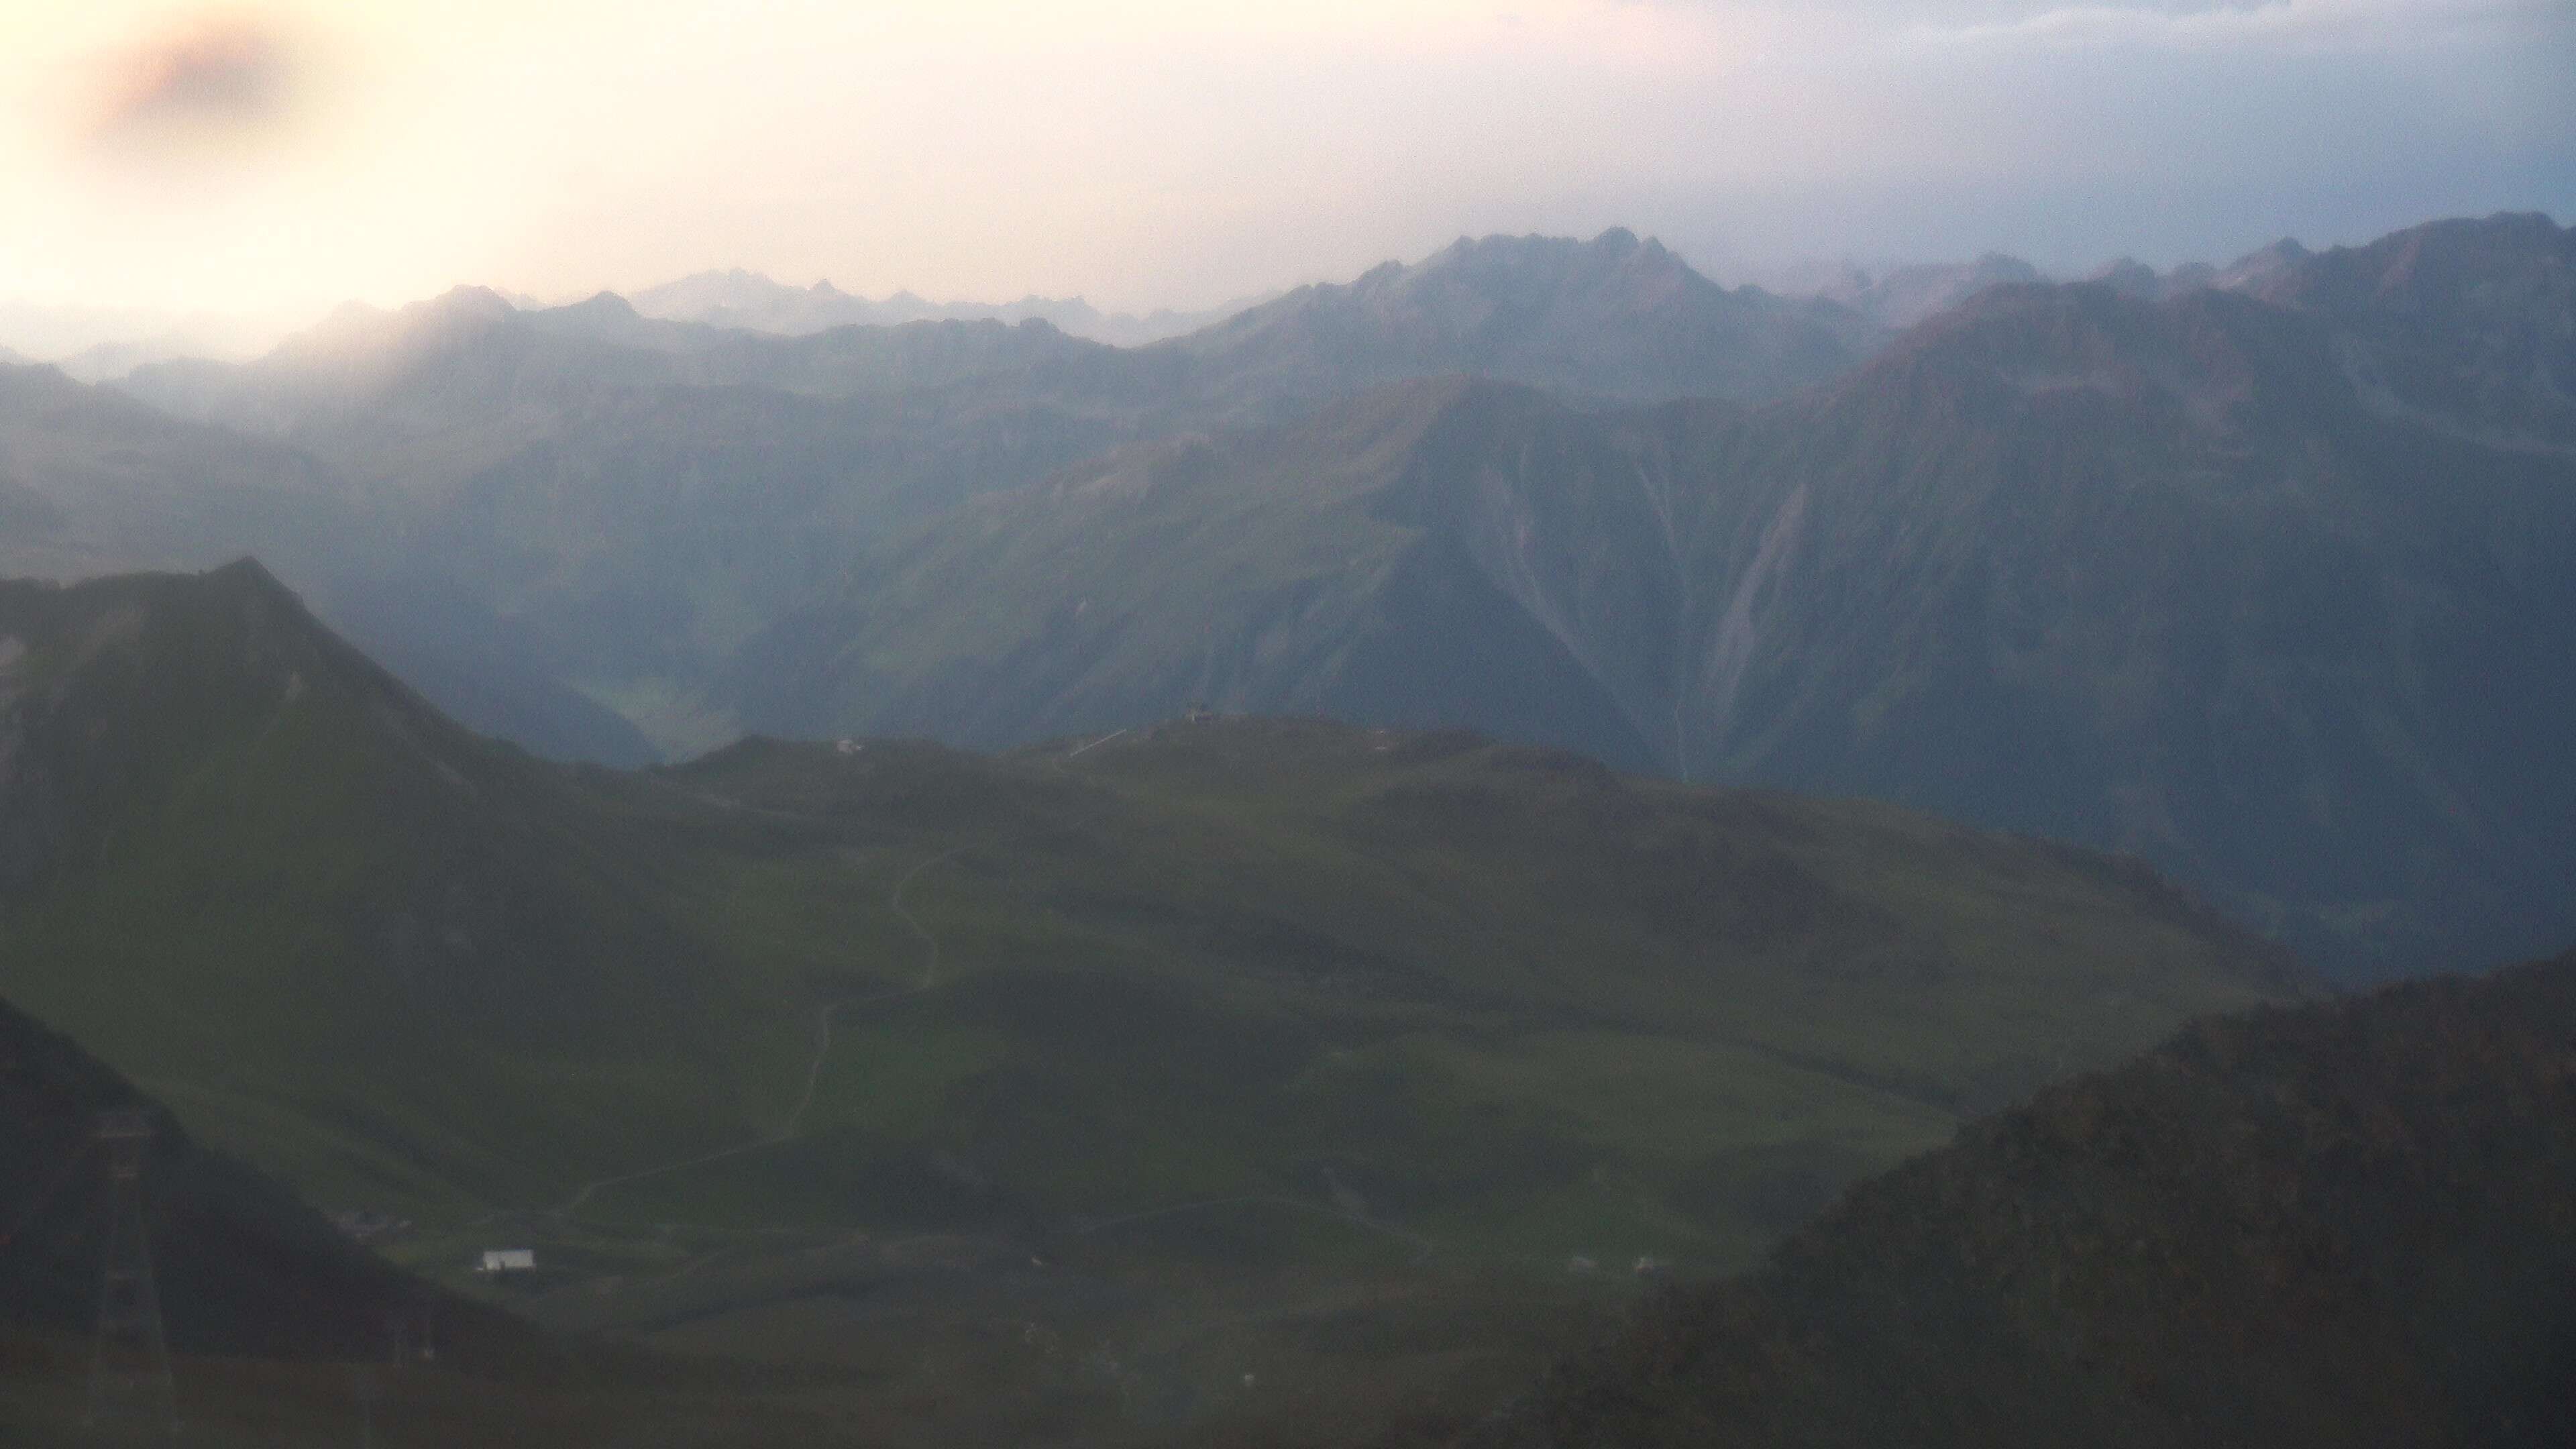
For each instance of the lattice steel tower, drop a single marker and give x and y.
(131, 1395)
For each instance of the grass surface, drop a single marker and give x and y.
(1093, 1040)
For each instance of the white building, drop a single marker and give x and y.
(508, 1260)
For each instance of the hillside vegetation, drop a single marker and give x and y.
(1248, 1002)
(2341, 1225)
(243, 1268)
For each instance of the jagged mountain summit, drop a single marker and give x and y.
(2465, 325)
(748, 300)
(1615, 317)
(1903, 296)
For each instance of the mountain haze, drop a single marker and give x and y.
(754, 303)
(2465, 325)
(2171, 577)
(1904, 296)
(1907, 295)
(635, 498)
(1286, 571)
(1614, 318)
(92, 482)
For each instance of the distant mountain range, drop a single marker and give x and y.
(1612, 318)
(94, 344)
(754, 303)
(2216, 566)
(1902, 296)
(93, 482)
(635, 498)
(2343, 1225)
(2232, 583)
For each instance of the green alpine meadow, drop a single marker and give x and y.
(1380, 1013)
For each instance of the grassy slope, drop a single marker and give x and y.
(1274, 1026)
(383, 957)
(394, 958)
(1516, 1003)
(2344, 1224)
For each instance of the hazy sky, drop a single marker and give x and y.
(1145, 152)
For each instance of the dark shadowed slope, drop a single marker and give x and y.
(2343, 1225)
(241, 1265)
(251, 870)
(1275, 1038)
(2159, 577)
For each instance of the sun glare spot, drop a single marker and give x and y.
(215, 85)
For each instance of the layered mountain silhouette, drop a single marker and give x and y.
(2463, 325)
(1904, 296)
(2177, 577)
(409, 969)
(1614, 317)
(752, 302)
(638, 496)
(92, 482)
(2337, 1225)
(2214, 571)
(1279, 826)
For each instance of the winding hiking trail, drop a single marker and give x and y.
(1423, 1247)
(825, 1018)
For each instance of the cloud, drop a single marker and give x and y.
(1149, 152)
(2233, 24)
(216, 81)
